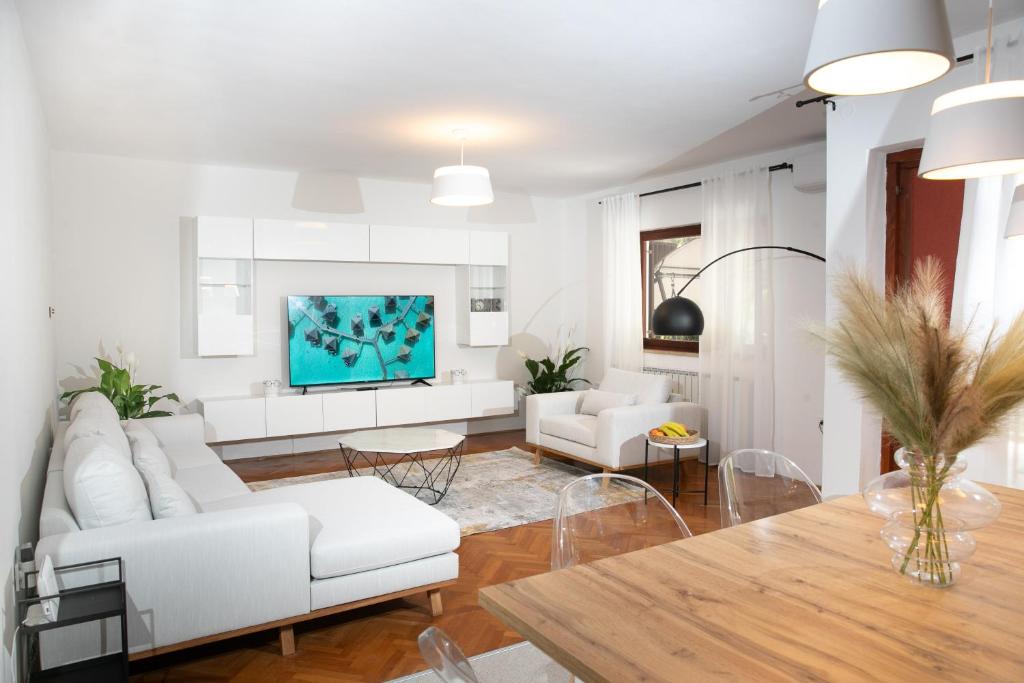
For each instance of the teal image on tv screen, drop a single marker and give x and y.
(349, 339)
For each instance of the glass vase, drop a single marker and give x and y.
(930, 508)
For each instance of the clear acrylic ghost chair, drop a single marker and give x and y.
(445, 657)
(755, 483)
(602, 515)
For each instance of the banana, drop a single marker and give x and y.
(674, 429)
(671, 429)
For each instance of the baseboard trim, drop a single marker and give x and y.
(288, 621)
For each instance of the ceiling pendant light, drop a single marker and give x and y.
(462, 185)
(976, 131)
(868, 47)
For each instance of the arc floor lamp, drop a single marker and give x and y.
(678, 316)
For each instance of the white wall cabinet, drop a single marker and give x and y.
(401, 406)
(224, 238)
(290, 415)
(493, 398)
(399, 244)
(481, 305)
(282, 240)
(222, 282)
(234, 419)
(345, 410)
(448, 402)
(239, 419)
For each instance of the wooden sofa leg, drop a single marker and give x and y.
(436, 607)
(605, 481)
(287, 634)
(536, 456)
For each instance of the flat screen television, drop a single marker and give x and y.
(358, 339)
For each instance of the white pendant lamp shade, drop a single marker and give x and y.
(1015, 226)
(975, 132)
(867, 47)
(462, 186)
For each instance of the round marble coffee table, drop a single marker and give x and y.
(426, 466)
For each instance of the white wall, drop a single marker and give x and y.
(861, 132)
(27, 352)
(798, 220)
(116, 224)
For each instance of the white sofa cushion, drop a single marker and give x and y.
(187, 455)
(166, 497)
(98, 423)
(579, 428)
(210, 483)
(648, 388)
(146, 452)
(101, 486)
(92, 401)
(359, 524)
(595, 400)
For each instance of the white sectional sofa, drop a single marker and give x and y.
(243, 561)
(614, 438)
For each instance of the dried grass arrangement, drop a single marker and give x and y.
(936, 394)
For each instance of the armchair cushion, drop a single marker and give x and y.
(579, 428)
(649, 389)
(543, 405)
(595, 400)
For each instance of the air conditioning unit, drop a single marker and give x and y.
(809, 173)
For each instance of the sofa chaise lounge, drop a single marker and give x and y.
(243, 561)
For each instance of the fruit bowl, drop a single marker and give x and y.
(693, 438)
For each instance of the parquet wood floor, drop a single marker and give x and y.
(378, 643)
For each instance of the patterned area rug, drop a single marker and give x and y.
(495, 490)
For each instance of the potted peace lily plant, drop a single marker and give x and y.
(938, 396)
(117, 383)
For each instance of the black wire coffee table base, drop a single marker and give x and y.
(427, 474)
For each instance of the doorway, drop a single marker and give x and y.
(922, 219)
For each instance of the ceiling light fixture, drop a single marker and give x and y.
(462, 185)
(976, 131)
(868, 47)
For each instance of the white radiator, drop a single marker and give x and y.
(683, 382)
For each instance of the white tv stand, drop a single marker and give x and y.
(244, 418)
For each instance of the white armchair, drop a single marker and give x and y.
(613, 439)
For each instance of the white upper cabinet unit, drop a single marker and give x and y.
(222, 278)
(397, 244)
(488, 248)
(289, 240)
(224, 238)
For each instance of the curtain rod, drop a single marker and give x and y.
(687, 186)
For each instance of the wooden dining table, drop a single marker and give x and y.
(807, 595)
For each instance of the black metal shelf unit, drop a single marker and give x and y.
(95, 602)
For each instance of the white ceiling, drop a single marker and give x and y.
(560, 97)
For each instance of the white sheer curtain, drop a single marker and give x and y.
(989, 284)
(737, 347)
(623, 323)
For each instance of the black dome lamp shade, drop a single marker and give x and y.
(678, 316)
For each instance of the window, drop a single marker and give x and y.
(668, 258)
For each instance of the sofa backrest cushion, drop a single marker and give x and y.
(97, 423)
(102, 487)
(595, 400)
(92, 401)
(146, 451)
(166, 497)
(648, 388)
